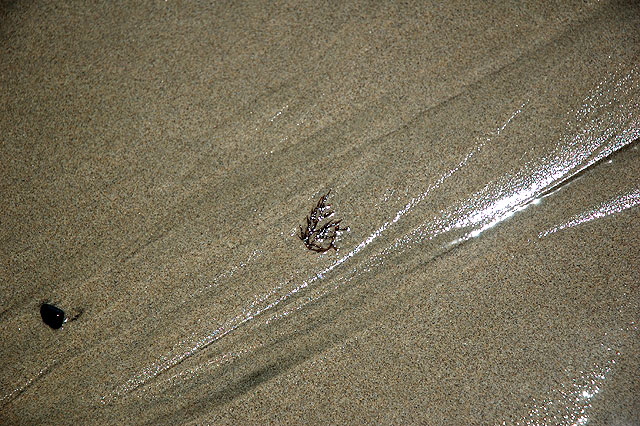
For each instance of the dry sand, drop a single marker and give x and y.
(157, 158)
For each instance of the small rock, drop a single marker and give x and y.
(51, 315)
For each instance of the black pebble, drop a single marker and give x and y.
(52, 316)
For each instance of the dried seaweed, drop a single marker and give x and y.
(320, 231)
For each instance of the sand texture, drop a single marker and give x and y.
(158, 157)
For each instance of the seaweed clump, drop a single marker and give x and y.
(320, 232)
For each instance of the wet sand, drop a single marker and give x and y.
(158, 158)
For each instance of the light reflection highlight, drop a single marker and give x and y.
(583, 147)
(616, 205)
(570, 403)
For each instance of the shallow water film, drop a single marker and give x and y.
(158, 160)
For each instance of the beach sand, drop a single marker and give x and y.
(158, 158)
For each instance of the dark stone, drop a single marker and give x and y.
(52, 316)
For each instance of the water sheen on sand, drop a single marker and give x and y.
(158, 159)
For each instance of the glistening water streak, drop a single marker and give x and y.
(581, 148)
(615, 205)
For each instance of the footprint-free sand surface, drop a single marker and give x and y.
(157, 159)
